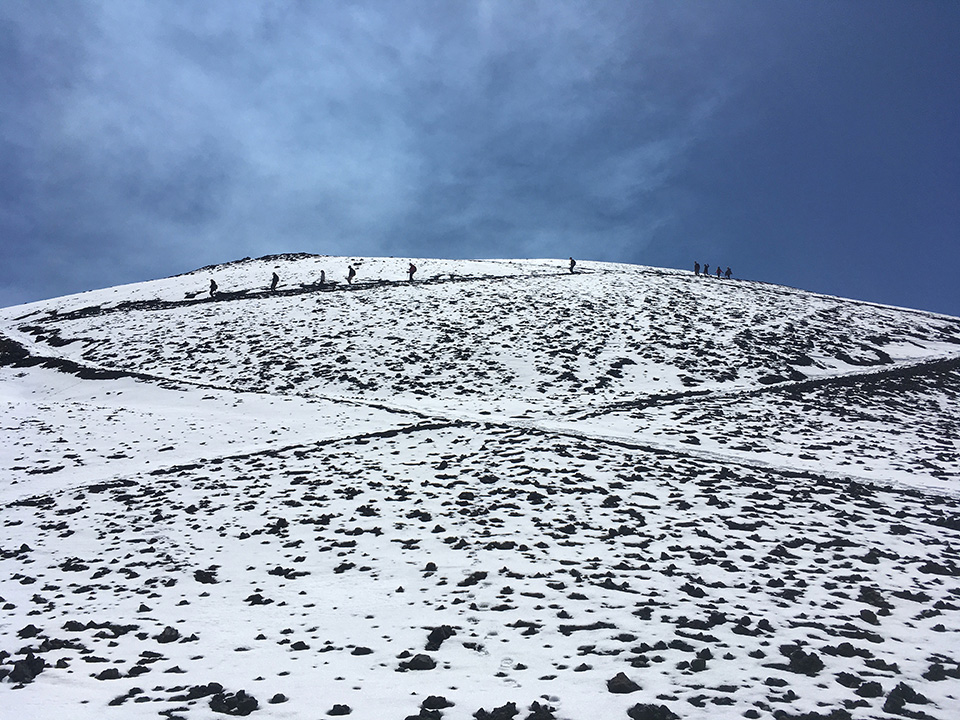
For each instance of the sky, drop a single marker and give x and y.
(807, 143)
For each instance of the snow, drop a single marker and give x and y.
(625, 469)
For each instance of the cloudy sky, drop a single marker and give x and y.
(809, 143)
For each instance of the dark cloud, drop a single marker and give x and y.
(139, 139)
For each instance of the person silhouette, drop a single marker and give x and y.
(351, 274)
(213, 288)
(718, 271)
(728, 273)
(696, 269)
(323, 277)
(273, 282)
(411, 270)
(573, 264)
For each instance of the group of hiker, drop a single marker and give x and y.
(351, 274)
(412, 270)
(706, 271)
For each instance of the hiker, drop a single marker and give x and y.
(728, 273)
(696, 269)
(706, 269)
(273, 282)
(573, 264)
(351, 274)
(213, 288)
(323, 278)
(718, 272)
(411, 270)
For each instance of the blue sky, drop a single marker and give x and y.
(814, 144)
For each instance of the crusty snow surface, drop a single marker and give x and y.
(501, 490)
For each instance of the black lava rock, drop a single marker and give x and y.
(504, 712)
(24, 671)
(208, 577)
(436, 702)
(805, 663)
(199, 691)
(168, 635)
(541, 712)
(425, 714)
(238, 703)
(900, 696)
(621, 684)
(419, 662)
(642, 711)
(437, 636)
(29, 631)
(472, 579)
(870, 689)
(849, 680)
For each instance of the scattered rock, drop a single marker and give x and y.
(24, 671)
(900, 696)
(419, 662)
(621, 684)
(472, 579)
(436, 702)
(169, 635)
(541, 712)
(805, 663)
(208, 577)
(870, 689)
(644, 711)
(504, 712)
(29, 631)
(437, 636)
(238, 703)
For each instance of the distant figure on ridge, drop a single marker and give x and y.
(696, 269)
(323, 277)
(573, 264)
(718, 272)
(351, 274)
(213, 288)
(410, 271)
(728, 273)
(273, 282)
(706, 269)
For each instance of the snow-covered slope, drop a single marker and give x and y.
(743, 497)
